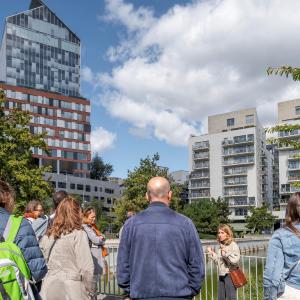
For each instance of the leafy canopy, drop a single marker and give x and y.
(208, 214)
(260, 219)
(17, 166)
(133, 198)
(99, 169)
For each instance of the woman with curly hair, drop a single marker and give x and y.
(66, 250)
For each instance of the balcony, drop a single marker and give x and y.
(201, 166)
(245, 161)
(201, 155)
(289, 190)
(201, 146)
(204, 194)
(292, 165)
(235, 183)
(293, 178)
(234, 172)
(199, 175)
(289, 134)
(235, 193)
(241, 202)
(202, 185)
(238, 151)
(239, 140)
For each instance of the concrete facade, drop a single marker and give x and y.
(232, 162)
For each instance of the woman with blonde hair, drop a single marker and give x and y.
(226, 257)
(67, 252)
(282, 270)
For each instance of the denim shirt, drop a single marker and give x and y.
(283, 253)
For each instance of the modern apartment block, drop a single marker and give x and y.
(108, 192)
(289, 159)
(231, 161)
(40, 73)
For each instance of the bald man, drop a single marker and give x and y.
(160, 254)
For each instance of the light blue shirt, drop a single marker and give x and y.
(283, 254)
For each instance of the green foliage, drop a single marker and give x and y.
(208, 214)
(289, 140)
(136, 188)
(99, 169)
(260, 219)
(17, 165)
(285, 70)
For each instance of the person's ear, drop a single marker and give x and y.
(170, 195)
(147, 196)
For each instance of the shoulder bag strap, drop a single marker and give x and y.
(50, 250)
(12, 227)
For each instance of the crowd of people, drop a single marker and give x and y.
(160, 254)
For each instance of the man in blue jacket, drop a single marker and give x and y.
(160, 254)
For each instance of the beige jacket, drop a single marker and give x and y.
(231, 258)
(70, 267)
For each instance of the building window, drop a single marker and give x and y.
(250, 119)
(230, 122)
(87, 188)
(241, 212)
(72, 186)
(87, 198)
(108, 201)
(297, 110)
(109, 191)
(96, 189)
(62, 185)
(80, 187)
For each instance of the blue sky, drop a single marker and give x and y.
(154, 70)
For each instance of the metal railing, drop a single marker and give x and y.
(251, 265)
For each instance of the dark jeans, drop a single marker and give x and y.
(226, 289)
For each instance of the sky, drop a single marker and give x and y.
(154, 70)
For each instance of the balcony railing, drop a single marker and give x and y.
(239, 140)
(201, 145)
(201, 166)
(293, 166)
(199, 185)
(238, 151)
(235, 193)
(201, 155)
(199, 175)
(285, 134)
(205, 194)
(235, 171)
(252, 267)
(240, 202)
(248, 160)
(293, 178)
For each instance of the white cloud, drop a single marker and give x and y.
(200, 59)
(102, 140)
(87, 75)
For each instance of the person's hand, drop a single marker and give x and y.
(210, 250)
(102, 237)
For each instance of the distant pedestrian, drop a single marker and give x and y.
(57, 198)
(35, 215)
(282, 270)
(227, 256)
(66, 250)
(96, 241)
(160, 254)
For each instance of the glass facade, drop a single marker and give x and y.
(40, 52)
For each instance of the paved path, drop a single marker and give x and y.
(102, 297)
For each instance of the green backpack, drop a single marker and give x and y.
(14, 272)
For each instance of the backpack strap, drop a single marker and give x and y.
(12, 227)
(3, 292)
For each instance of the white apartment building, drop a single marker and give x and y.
(232, 162)
(289, 164)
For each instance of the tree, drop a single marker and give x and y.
(286, 140)
(208, 214)
(17, 166)
(260, 219)
(136, 187)
(99, 169)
